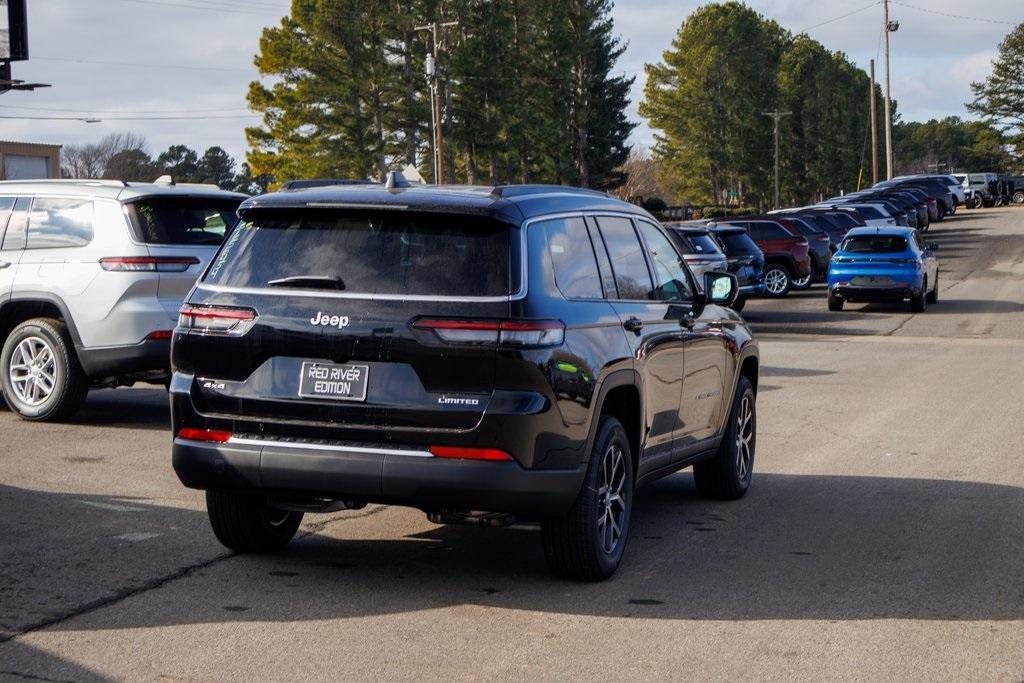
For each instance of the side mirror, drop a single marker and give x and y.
(933, 246)
(721, 288)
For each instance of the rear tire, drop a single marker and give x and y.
(1018, 197)
(40, 375)
(777, 280)
(834, 303)
(933, 296)
(920, 302)
(246, 524)
(577, 545)
(803, 283)
(727, 476)
(977, 202)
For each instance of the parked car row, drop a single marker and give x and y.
(991, 189)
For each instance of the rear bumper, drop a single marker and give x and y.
(377, 476)
(881, 294)
(110, 361)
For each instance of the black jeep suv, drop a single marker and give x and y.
(534, 353)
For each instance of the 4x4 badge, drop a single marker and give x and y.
(339, 321)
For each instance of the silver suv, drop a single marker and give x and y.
(92, 273)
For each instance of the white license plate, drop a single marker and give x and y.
(333, 381)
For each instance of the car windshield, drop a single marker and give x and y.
(874, 244)
(183, 220)
(367, 253)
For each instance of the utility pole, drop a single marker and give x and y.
(890, 27)
(431, 67)
(874, 128)
(776, 117)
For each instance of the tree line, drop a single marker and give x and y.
(125, 156)
(528, 91)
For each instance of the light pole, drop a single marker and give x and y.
(890, 27)
(776, 117)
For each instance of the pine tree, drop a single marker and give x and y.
(1000, 97)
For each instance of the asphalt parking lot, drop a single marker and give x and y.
(882, 536)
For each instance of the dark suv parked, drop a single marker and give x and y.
(745, 260)
(532, 352)
(786, 255)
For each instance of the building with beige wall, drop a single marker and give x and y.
(28, 161)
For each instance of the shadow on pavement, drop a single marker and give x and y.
(798, 547)
(129, 408)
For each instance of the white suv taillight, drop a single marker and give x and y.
(519, 333)
(151, 264)
(215, 320)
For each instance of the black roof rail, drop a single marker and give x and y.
(324, 182)
(505, 191)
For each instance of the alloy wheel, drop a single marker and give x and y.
(802, 281)
(33, 371)
(775, 281)
(611, 501)
(744, 439)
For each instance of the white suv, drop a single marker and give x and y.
(92, 273)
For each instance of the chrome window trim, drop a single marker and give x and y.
(234, 441)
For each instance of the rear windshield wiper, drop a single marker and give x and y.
(309, 282)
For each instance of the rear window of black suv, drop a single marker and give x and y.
(368, 253)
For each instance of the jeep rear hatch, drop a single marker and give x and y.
(351, 321)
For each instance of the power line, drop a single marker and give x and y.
(142, 65)
(206, 8)
(954, 16)
(114, 111)
(841, 16)
(129, 118)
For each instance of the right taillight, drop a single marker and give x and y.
(215, 320)
(518, 333)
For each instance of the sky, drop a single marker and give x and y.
(117, 59)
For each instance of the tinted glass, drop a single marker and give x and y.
(703, 244)
(386, 253)
(671, 281)
(182, 220)
(874, 244)
(57, 222)
(843, 219)
(768, 231)
(804, 228)
(869, 212)
(627, 256)
(572, 258)
(737, 243)
(604, 263)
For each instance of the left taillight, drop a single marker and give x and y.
(517, 333)
(215, 320)
(150, 264)
(207, 435)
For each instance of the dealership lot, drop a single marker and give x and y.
(882, 534)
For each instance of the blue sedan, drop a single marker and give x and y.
(883, 265)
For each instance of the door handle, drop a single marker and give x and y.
(5, 264)
(633, 324)
(687, 322)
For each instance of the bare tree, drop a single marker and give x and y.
(90, 160)
(640, 184)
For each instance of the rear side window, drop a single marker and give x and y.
(6, 206)
(768, 231)
(572, 258)
(671, 281)
(55, 222)
(805, 228)
(702, 244)
(627, 256)
(874, 244)
(737, 243)
(182, 220)
(844, 220)
(869, 213)
(17, 225)
(367, 253)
